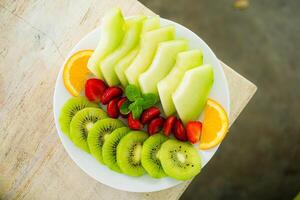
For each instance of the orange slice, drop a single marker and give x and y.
(215, 125)
(76, 71)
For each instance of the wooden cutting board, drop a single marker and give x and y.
(35, 37)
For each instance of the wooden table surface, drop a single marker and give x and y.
(35, 36)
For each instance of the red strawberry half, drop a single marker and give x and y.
(169, 125)
(134, 124)
(94, 89)
(155, 125)
(193, 131)
(111, 93)
(112, 108)
(120, 103)
(149, 114)
(179, 131)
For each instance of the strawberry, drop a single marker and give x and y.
(120, 103)
(193, 131)
(155, 125)
(110, 93)
(179, 131)
(134, 124)
(149, 114)
(94, 89)
(169, 124)
(112, 108)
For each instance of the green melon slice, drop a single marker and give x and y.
(130, 40)
(167, 86)
(151, 24)
(112, 33)
(148, 25)
(123, 64)
(161, 65)
(191, 95)
(149, 44)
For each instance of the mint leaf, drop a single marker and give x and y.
(140, 102)
(137, 111)
(136, 108)
(132, 106)
(124, 109)
(132, 92)
(149, 100)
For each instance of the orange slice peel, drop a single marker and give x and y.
(76, 72)
(215, 125)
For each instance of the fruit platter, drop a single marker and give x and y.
(141, 103)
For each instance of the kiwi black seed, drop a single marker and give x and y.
(99, 133)
(82, 123)
(69, 109)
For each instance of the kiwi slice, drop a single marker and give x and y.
(129, 153)
(82, 123)
(180, 160)
(99, 133)
(69, 109)
(150, 161)
(109, 149)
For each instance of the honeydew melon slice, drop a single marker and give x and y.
(130, 40)
(112, 33)
(191, 95)
(161, 65)
(148, 25)
(166, 87)
(123, 64)
(149, 44)
(151, 24)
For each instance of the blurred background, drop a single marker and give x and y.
(260, 157)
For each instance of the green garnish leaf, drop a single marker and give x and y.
(140, 102)
(137, 111)
(137, 102)
(149, 100)
(124, 109)
(132, 92)
(131, 106)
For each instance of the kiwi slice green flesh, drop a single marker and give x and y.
(99, 133)
(109, 149)
(69, 109)
(129, 153)
(82, 123)
(180, 160)
(150, 161)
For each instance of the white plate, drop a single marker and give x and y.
(100, 172)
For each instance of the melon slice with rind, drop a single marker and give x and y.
(123, 64)
(111, 35)
(161, 65)
(149, 44)
(130, 41)
(191, 95)
(166, 87)
(149, 24)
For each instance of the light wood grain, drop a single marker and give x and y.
(35, 36)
